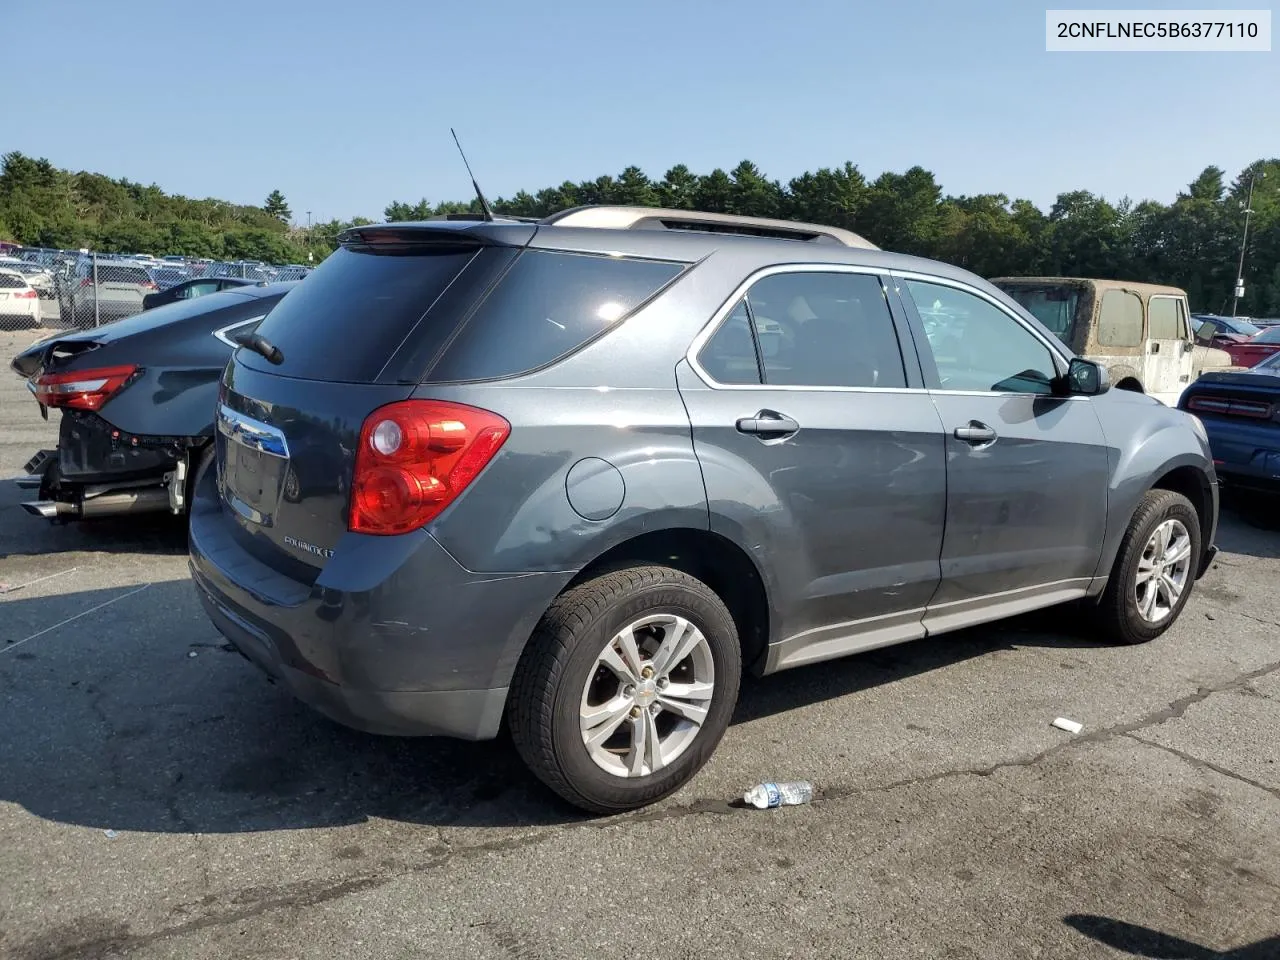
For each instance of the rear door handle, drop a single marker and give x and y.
(767, 423)
(976, 433)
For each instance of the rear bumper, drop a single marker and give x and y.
(92, 450)
(1245, 454)
(466, 714)
(393, 637)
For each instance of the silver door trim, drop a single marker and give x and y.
(223, 335)
(844, 639)
(958, 614)
(858, 636)
(252, 433)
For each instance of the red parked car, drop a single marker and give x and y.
(1257, 348)
(1247, 344)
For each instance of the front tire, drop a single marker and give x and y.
(626, 688)
(1155, 570)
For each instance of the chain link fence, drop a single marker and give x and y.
(42, 288)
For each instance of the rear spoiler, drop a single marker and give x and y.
(405, 237)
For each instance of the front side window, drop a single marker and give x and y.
(1120, 319)
(1164, 319)
(977, 346)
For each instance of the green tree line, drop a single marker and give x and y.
(1192, 242)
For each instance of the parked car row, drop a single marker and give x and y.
(92, 289)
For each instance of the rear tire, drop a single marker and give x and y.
(599, 709)
(1155, 570)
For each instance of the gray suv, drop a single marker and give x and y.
(576, 475)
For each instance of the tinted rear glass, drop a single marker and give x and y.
(118, 273)
(548, 305)
(355, 311)
(1054, 306)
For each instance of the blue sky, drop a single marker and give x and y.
(346, 106)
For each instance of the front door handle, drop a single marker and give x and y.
(976, 433)
(767, 423)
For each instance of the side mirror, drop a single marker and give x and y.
(1086, 378)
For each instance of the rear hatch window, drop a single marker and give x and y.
(1054, 305)
(355, 311)
(451, 313)
(118, 273)
(548, 305)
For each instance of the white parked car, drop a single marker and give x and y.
(40, 277)
(18, 301)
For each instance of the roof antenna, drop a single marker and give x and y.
(484, 204)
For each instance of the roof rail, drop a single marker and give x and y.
(657, 218)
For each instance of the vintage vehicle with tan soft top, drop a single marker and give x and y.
(1141, 332)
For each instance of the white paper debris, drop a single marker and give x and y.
(1062, 723)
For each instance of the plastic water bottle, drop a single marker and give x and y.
(765, 795)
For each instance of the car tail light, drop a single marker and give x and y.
(81, 389)
(25, 295)
(1208, 405)
(86, 282)
(151, 285)
(415, 458)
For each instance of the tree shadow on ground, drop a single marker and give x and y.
(1144, 942)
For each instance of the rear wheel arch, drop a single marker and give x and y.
(706, 556)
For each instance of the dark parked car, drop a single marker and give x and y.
(137, 399)
(1241, 412)
(190, 289)
(581, 473)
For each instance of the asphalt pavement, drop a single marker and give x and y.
(158, 798)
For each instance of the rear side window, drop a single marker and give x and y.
(730, 355)
(355, 311)
(811, 328)
(547, 305)
(1120, 319)
(9, 281)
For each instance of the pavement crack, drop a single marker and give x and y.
(1199, 764)
(1175, 710)
(1249, 616)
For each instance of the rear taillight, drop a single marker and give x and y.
(414, 458)
(25, 295)
(151, 285)
(1231, 407)
(81, 389)
(86, 282)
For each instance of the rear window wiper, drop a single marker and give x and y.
(261, 346)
